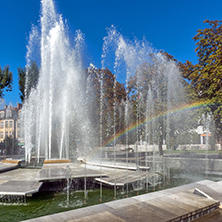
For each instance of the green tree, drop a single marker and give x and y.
(11, 146)
(5, 80)
(108, 99)
(21, 76)
(155, 90)
(205, 78)
(28, 79)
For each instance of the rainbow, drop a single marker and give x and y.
(131, 128)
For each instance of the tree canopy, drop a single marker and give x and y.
(28, 79)
(205, 78)
(5, 80)
(110, 99)
(21, 82)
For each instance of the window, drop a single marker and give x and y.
(10, 123)
(6, 124)
(2, 124)
(8, 113)
(2, 114)
(2, 135)
(6, 134)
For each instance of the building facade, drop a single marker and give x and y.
(10, 123)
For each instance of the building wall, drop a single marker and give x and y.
(10, 123)
(7, 128)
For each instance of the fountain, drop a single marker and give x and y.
(120, 141)
(59, 113)
(55, 110)
(68, 178)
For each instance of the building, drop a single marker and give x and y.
(203, 134)
(10, 122)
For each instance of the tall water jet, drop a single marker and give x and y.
(54, 113)
(154, 89)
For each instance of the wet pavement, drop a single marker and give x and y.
(19, 182)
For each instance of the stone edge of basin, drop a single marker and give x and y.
(57, 161)
(11, 161)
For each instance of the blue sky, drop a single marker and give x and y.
(167, 25)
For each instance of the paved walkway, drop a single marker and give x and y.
(173, 204)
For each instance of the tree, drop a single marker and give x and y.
(155, 90)
(11, 146)
(28, 79)
(93, 77)
(21, 74)
(5, 80)
(205, 78)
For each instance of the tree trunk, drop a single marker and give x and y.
(160, 145)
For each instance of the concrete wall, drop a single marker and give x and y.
(143, 147)
(194, 164)
(197, 147)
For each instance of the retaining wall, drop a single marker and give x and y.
(194, 164)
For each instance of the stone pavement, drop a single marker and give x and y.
(28, 181)
(56, 171)
(19, 182)
(175, 204)
(111, 175)
(120, 174)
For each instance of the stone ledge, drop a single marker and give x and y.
(57, 161)
(11, 161)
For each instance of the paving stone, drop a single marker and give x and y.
(19, 182)
(20, 187)
(121, 203)
(58, 171)
(152, 207)
(170, 205)
(105, 216)
(214, 193)
(139, 212)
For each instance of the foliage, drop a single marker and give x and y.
(187, 137)
(151, 97)
(155, 90)
(11, 145)
(21, 74)
(28, 79)
(5, 80)
(109, 100)
(205, 78)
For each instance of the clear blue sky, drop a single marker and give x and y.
(167, 24)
